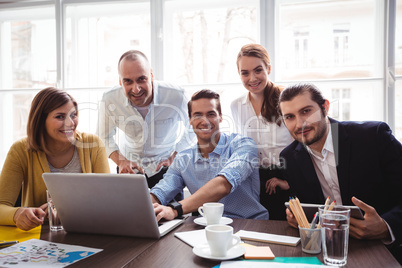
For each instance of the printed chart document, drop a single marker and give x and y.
(269, 238)
(39, 253)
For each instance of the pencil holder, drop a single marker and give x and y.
(310, 240)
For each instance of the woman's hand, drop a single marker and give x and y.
(29, 218)
(271, 185)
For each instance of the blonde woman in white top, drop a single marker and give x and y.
(256, 116)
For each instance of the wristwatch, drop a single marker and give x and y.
(176, 206)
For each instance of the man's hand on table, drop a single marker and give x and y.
(372, 227)
(164, 212)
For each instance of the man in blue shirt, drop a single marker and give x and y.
(220, 168)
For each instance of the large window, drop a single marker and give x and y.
(28, 48)
(339, 45)
(332, 40)
(202, 38)
(27, 61)
(95, 37)
(335, 41)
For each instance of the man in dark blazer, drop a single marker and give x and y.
(356, 163)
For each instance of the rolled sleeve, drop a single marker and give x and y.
(171, 184)
(242, 162)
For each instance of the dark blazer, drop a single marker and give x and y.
(369, 167)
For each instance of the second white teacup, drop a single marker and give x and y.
(212, 212)
(220, 239)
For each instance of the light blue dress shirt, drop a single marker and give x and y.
(235, 157)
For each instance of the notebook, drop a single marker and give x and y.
(269, 238)
(113, 204)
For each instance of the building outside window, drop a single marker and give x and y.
(301, 51)
(341, 44)
(340, 103)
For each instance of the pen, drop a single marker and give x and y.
(313, 222)
(4, 244)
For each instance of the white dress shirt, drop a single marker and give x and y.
(150, 140)
(325, 168)
(271, 139)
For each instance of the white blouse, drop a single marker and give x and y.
(271, 139)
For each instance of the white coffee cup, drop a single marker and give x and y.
(220, 239)
(212, 212)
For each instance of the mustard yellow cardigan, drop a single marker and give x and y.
(25, 167)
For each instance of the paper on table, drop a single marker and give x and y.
(192, 238)
(272, 264)
(41, 253)
(269, 238)
(12, 233)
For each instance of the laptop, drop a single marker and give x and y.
(112, 204)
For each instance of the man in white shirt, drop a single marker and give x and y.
(151, 114)
(354, 163)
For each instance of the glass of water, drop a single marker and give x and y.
(335, 234)
(54, 220)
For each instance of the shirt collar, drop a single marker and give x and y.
(127, 102)
(155, 92)
(328, 146)
(246, 99)
(219, 149)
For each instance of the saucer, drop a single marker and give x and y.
(203, 251)
(202, 221)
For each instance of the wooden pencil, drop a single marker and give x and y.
(302, 214)
(292, 207)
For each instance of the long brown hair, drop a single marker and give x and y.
(269, 109)
(46, 101)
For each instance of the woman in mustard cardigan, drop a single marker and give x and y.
(52, 145)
